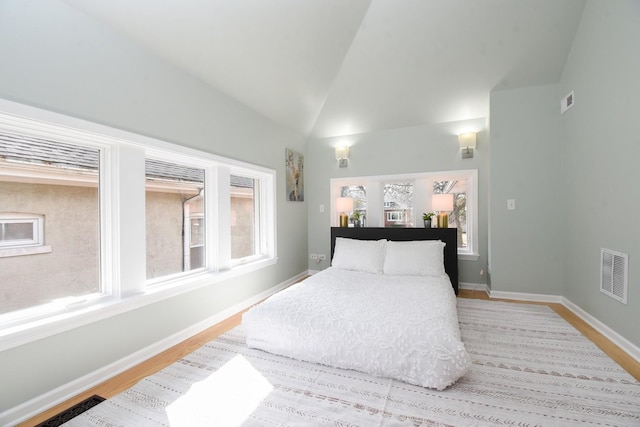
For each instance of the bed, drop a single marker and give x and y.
(386, 306)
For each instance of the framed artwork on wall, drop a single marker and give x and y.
(295, 175)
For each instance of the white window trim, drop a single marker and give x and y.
(421, 202)
(124, 266)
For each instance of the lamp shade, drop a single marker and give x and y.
(442, 202)
(344, 204)
(342, 153)
(467, 140)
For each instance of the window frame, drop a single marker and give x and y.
(392, 214)
(423, 189)
(15, 218)
(122, 218)
(24, 247)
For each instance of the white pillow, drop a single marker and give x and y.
(359, 255)
(415, 258)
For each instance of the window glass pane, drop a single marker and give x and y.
(47, 185)
(359, 195)
(245, 214)
(457, 217)
(174, 218)
(398, 204)
(11, 232)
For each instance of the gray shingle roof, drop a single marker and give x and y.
(27, 149)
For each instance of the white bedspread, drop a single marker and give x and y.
(402, 327)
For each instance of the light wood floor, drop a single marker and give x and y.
(128, 378)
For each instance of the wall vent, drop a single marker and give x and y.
(614, 274)
(566, 102)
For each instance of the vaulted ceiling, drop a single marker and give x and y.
(336, 67)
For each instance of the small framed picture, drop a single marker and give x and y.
(295, 175)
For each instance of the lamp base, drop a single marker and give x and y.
(344, 220)
(443, 220)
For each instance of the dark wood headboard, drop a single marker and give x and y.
(447, 235)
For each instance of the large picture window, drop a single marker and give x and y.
(95, 220)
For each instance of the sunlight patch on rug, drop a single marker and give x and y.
(226, 397)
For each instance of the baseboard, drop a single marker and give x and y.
(519, 296)
(474, 286)
(67, 391)
(624, 344)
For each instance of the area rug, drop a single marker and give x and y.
(530, 367)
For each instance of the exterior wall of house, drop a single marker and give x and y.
(242, 211)
(71, 228)
(164, 234)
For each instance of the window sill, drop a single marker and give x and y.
(468, 257)
(27, 250)
(100, 308)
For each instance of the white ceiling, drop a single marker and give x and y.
(336, 67)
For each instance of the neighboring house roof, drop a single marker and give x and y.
(40, 151)
(26, 149)
(165, 170)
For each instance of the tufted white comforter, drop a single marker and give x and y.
(402, 327)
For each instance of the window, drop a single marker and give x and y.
(95, 221)
(457, 217)
(398, 204)
(395, 217)
(359, 195)
(56, 181)
(400, 201)
(175, 218)
(245, 217)
(18, 230)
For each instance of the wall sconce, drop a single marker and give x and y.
(344, 205)
(342, 156)
(443, 204)
(467, 143)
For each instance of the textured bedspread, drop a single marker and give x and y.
(401, 327)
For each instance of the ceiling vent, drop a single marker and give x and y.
(614, 274)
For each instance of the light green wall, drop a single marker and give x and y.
(526, 243)
(574, 176)
(395, 151)
(601, 146)
(58, 59)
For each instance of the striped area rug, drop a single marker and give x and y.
(530, 367)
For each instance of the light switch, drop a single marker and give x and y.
(511, 204)
(321, 208)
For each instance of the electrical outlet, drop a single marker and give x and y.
(322, 257)
(313, 256)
